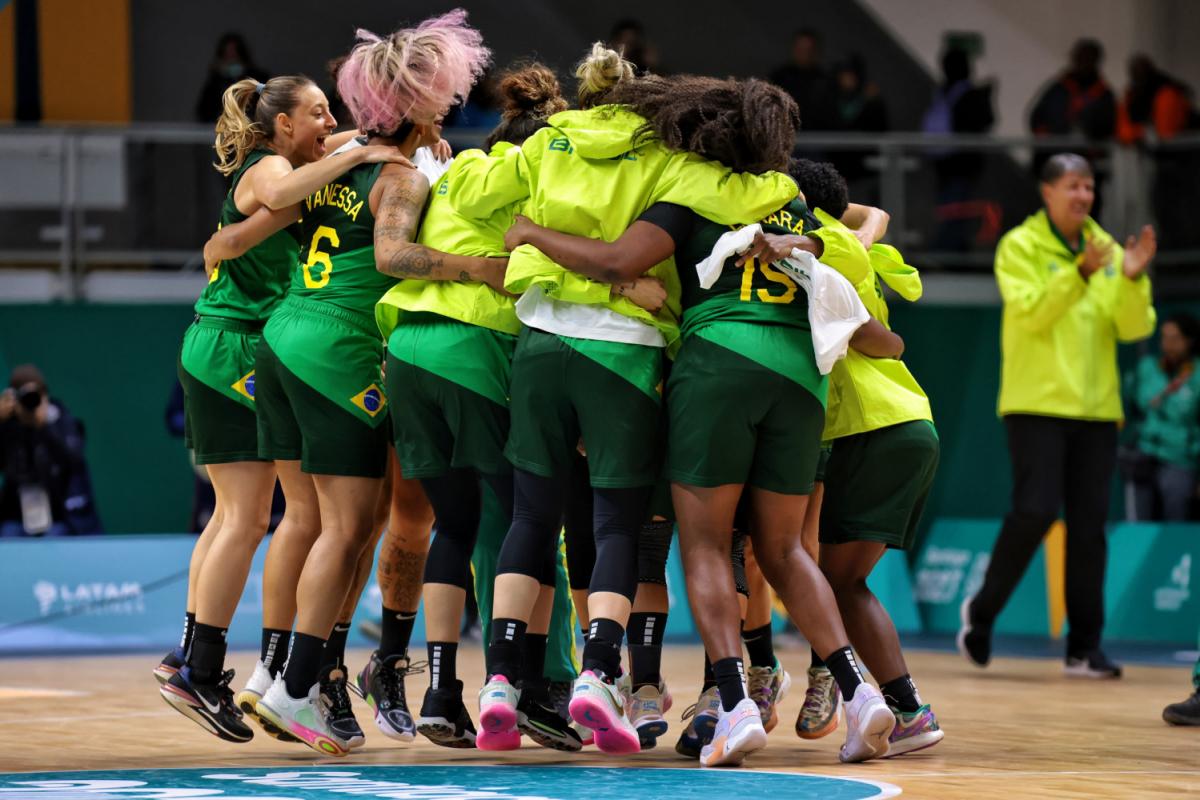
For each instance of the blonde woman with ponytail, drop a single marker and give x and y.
(271, 139)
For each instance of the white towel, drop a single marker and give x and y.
(835, 311)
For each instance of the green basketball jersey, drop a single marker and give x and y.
(337, 245)
(250, 286)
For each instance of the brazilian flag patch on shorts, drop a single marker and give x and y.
(245, 385)
(370, 400)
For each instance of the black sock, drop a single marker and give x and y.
(710, 679)
(731, 677)
(817, 662)
(901, 693)
(645, 635)
(189, 629)
(303, 664)
(397, 629)
(274, 649)
(335, 648)
(207, 657)
(845, 671)
(443, 664)
(506, 652)
(760, 646)
(534, 683)
(602, 653)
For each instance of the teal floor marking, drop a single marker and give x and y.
(432, 782)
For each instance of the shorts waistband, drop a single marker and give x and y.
(230, 324)
(365, 323)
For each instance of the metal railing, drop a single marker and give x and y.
(81, 198)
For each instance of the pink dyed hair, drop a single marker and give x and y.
(414, 74)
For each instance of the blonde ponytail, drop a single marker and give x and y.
(247, 121)
(600, 71)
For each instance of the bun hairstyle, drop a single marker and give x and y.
(747, 125)
(601, 70)
(248, 112)
(529, 94)
(412, 75)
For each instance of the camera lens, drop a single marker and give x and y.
(29, 398)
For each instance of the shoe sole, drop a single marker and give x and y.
(498, 728)
(922, 741)
(547, 738)
(385, 727)
(734, 752)
(1172, 718)
(821, 733)
(873, 740)
(443, 733)
(248, 703)
(354, 741)
(323, 744)
(190, 708)
(652, 729)
(1090, 674)
(611, 736)
(163, 673)
(960, 639)
(772, 720)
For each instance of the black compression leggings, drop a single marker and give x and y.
(457, 507)
(577, 525)
(537, 514)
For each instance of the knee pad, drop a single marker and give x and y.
(654, 547)
(737, 559)
(449, 559)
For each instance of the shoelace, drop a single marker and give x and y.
(226, 694)
(392, 678)
(336, 699)
(815, 700)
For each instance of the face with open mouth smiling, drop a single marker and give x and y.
(308, 126)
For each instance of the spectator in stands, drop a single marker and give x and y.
(1079, 100)
(47, 489)
(1155, 104)
(628, 38)
(1164, 398)
(857, 106)
(1070, 294)
(807, 81)
(230, 64)
(960, 106)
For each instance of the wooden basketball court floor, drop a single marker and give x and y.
(1018, 729)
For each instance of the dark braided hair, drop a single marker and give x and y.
(822, 185)
(747, 125)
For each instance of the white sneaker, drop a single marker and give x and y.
(767, 686)
(498, 715)
(302, 717)
(646, 707)
(598, 705)
(247, 700)
(738, 734)
(869, 724)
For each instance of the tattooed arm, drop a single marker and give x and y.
(402, 195)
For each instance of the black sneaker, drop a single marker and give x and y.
(381, 684)
(1090, 665)
(540, 722)
(171, 663)
(336, 697)
(1185, 713)
(560, 697)
(974, 640)
(210, 706)
(444, 719)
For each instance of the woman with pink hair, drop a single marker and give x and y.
(320, 392)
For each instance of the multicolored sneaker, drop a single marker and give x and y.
(336, 696)
(767, 686)
(444, 719)
(703, 714)
(597, 704)
(822, 705)
(542, 723)
(302, 717)
(739, 733)
(498, 715)
(171, 663)
(208, 705)
(869, 725)
(247, 700)
(381, 684)
(915, 730)
(645, 708)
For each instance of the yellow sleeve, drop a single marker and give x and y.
(482, 185)
(720, 194)
(1133, 312)
(844, 252)
(1035, 302)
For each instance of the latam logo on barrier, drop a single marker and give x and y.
(1172, 596)
(105, 598)
(948, 573)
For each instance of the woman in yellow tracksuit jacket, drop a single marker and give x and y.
(1070, 294)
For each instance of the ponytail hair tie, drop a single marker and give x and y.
(258, 87)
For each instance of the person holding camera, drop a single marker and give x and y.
(46, 487)
(1070, 294)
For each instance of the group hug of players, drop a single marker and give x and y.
(515, 348)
